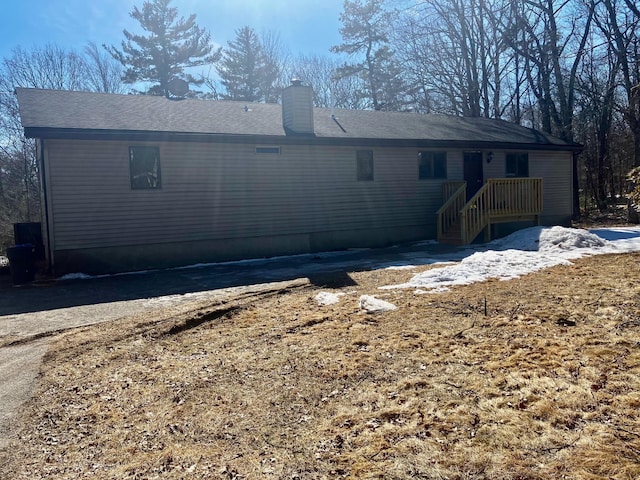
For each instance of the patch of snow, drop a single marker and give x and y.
(562, 238)
(328, 256)
(170, 300)
(76, 276)
(544, 239)
(325, 299)
(374, 305)
(86, 276)
(523, 252)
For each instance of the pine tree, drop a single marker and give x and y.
(172, 45)
(246, 71)
(365, 39)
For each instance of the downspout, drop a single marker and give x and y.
(45, 205)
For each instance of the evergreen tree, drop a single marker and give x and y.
(172, 45)
(245, 72)
(365, 39)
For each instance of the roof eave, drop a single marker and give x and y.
(155, 136)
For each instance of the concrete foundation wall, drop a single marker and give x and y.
(166, 255)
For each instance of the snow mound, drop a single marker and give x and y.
(327, 298)
(562, 238)
(544, 239)
(520, 253)
(374, 305)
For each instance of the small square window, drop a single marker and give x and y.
(432, 165)
(364, 165)
(144, 165)
(517, 164)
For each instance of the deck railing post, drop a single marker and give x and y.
(499, 200)
(453, 194)
(463, 227)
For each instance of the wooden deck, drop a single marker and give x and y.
(500, 200)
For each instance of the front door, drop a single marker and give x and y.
(473, 172)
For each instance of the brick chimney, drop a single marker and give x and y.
(297, 109)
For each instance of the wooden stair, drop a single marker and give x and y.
(500, 200)
(453, 235)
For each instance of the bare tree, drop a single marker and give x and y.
(596, 111)
(551, 37)
(633, 7)
(48, 67)
(317, 71)
(618, 22)
(622, 32)
(553, 44)
(103, 73)
(329, 90)
(456, 59)
(415, 46)
(276, 61)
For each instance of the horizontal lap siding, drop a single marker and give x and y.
(212, 191)
(555, 168)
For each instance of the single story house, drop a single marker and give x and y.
(134, 182)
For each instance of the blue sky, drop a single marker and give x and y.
(305, 26)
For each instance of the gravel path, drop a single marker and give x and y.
(19, 367)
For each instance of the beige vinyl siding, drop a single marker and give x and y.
(224, 191)
(555, 168)
(496, 168)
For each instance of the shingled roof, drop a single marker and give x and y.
(68, 114)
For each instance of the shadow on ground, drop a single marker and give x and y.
(329, 270)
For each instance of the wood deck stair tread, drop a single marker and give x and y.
(500, 200)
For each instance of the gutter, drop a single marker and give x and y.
(140, 135)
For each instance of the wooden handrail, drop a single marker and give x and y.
(500, 199)
(515, 196)
(454, 196)
(449, 189)
(473, 216)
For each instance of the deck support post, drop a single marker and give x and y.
(463, 227)
(500, 200)
(487, 233)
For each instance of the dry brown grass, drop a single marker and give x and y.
(546, 384)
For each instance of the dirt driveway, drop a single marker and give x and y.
(24, 337)
(31, 315)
